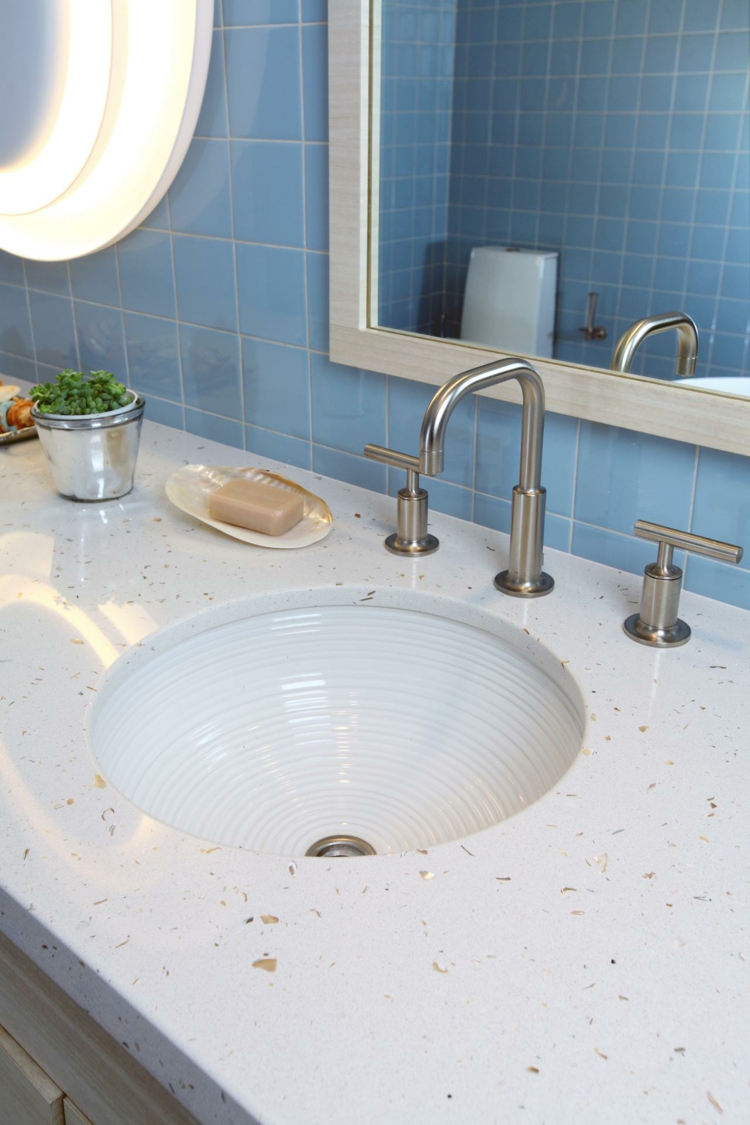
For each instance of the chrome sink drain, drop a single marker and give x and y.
(331, 847)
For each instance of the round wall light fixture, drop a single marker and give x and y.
(100, 101)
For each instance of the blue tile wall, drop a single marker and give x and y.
(417, 66)
(217, 310)
(612, 131)
(616, 141)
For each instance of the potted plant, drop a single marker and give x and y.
(90, 428)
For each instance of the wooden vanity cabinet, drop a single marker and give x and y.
(58, 1067)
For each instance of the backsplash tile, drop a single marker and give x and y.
(244, 232)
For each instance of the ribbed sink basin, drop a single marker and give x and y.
(402, 729)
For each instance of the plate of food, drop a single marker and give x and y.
(15, 415)
(271, 511)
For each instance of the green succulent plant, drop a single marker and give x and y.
(72, 392)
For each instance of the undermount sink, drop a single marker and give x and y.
(396, 728)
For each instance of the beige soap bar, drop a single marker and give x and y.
(256, 505)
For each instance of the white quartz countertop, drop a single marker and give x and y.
(592, 953)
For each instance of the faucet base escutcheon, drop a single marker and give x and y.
(542, 585)
(415, 547)
(669, 636)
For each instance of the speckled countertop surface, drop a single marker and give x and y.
(594, 949)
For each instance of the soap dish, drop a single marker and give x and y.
(190, 489)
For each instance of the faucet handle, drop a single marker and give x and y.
(411, 536)
(392, 457)
(687, 541)
(657, 623)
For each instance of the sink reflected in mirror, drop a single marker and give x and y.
(397, 728)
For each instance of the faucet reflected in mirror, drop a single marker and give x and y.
(532, 154)
(524, 577)
(687, 341)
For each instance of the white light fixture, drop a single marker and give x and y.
(116, 118)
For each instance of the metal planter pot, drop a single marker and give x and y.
(92, 456)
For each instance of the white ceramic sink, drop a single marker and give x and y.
(400, 728)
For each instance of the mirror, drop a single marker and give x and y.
(547, 173)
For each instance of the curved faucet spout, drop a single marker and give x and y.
(633, 337)
(432, 440)
(524, 577)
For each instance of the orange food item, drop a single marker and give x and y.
(19, 414)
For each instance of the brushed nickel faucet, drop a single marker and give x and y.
(524, 577)
(631, 340)
(657, 623)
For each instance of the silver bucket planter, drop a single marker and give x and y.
(92, 456)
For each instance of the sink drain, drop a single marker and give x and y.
(331, 847)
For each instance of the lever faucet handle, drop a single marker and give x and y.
(687, 541)
(392, 457)
(657, 623)
(411, 536)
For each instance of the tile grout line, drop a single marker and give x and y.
(576, 457)
(31, 319)
(230, 185)
(303, 130)
(177, 311)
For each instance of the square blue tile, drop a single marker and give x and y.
(165, 413)
(315, 75)
(54, 331)
(211, 370)
(632, 17)
(11, 269)
(51, 277)
(666, 15)
(204, 271)
(277, 387)
(734, 15)
(499, 448)
(15, 326)
(145, 258)
(696, 53)
(15, 367)
(701, 15)
(348, 468)
(94, 278)
(624, 476)
(153, 358)
(278, 447)
(317, 301)
(722, 499)
(206, 425)
(241, 13)
(736, 281)
(314, 11)
(316, 196)
(691, 91)
(717, 580)
(213, 120)
(199, 198)
(268, 196)
(101, 339)
(271, 287)
(263, 83)
(610, 549)
(348, 406)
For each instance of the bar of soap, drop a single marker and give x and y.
(256, 505)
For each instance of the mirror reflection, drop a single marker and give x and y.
(550, 172)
